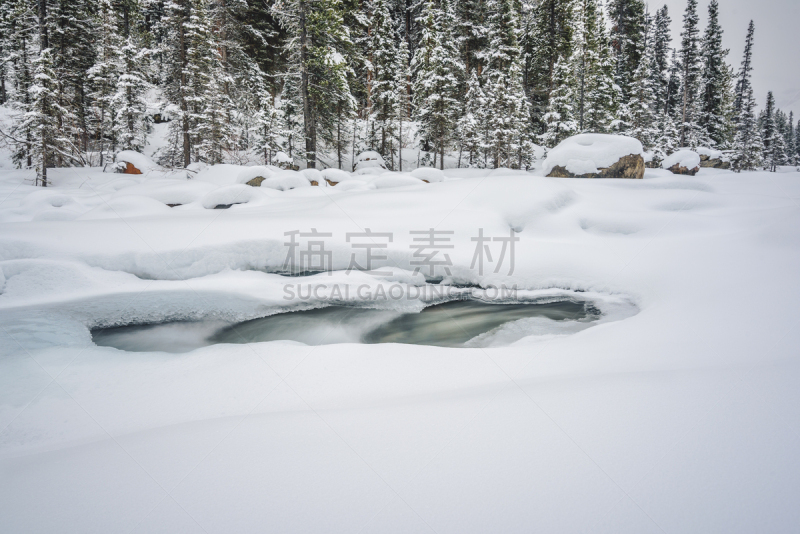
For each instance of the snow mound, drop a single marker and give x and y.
(282, 157)
(428, 174)
(683, 158)
(140, 161)
(286, 180)
(395, 179)
(229, 195)
(253, 172)
(710, 152)
(337, 176)
(587, 153)
(354, 185)
(369, 171)
(369, 159)
(313, 175)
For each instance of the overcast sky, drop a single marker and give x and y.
(776, 54)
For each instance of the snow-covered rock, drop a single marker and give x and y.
(283, 161)
(132, 162)
(254, 176)
(596, 156)
(226, 196)
(428, 174)
(683, 161)
(369, 159)
(314, 176)
(712, 158)
(286, 180)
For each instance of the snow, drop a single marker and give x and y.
(281, 157)
(395, 179)
(683, 158)
(140, 161)
(587, 153)
(429, 174)
(710, 152)
(286, 180)
(336, 176)
(250, 173)
(680, 417)
(369, 159)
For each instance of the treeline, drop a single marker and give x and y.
(482, 81)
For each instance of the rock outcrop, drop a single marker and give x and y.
(256, 182)
(631, 166)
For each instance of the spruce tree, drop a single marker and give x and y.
(560, 116)
(438, 71)
(507, 106)
(102, 82)
(747, 145)
(20, 43)
(691, 71)
(660, 59)
(774, 142)
(715, 109)
(471, 123)
(130, 129)
(791, 142)
(383, 61)
(627, 40)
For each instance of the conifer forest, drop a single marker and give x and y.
(479, 83)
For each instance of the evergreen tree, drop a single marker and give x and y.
(774, 142)
(102, 81)
(659, 60)
(550, 40)
(471, 123)
(641, 119)
(627, 40)
(383, 54)
(743, 78)
(691, 67)
(316, 38)
(21, 39)
(791, 142)
(267, 120)
(716, 101)
(747, 145)
(130, 129)
(507, 106)
(560, 116)
(438, 71)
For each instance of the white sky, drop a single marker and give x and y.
(776, 54)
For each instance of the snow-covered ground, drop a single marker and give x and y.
(681, 417)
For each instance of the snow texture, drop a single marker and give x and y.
(140, 161)
(428, 174)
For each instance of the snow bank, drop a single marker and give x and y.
(429, 174)
(710, 152)
(314, 175)
(682, 158)
(140, 161)
(587, 153)
(282, 157)
(337, 176)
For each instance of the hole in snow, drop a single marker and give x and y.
(464, 323)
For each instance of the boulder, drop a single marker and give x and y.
(596, 156)
(130, 168)
(630, 166)
(714, 163)
(256, 182)
(683, 161)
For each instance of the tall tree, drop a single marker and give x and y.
(774, 142)
(627, 39)
(660, 64)
(438, 71)
(716, 93)
(690, 76)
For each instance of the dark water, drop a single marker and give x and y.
(452, 324)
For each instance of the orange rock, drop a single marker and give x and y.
(130, 169)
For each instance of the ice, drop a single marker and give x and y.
(683, 158)
(586, 153)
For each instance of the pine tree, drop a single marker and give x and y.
(628, 40)
(791, 141)
(130, 129)
(641, 119)
(383, 62)
(690, 77)
(715, 109)
(102, 81)
(774, 142)
(747, 145)
(743, 78)
(550, 40)
(659, 60)
(507, 106)
(438, 71)
(560, 116)
(21, 39)
(471, 123)
(267, 120)
(316, 38)
(402, 84)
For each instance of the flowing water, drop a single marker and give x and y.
(452, 324)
